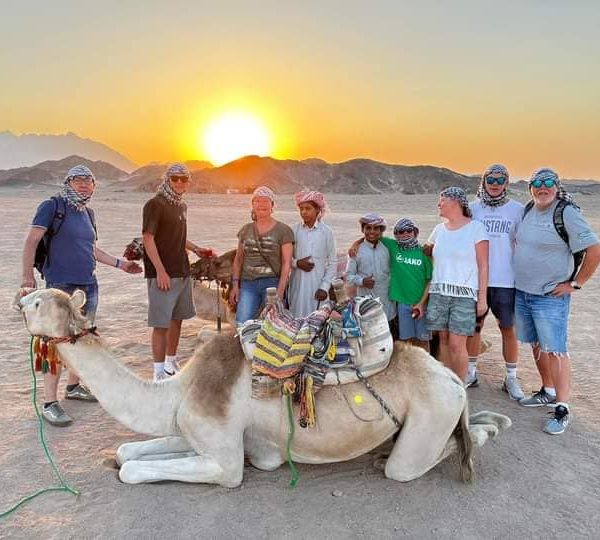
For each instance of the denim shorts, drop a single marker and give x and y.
(253, 293)
(501, 301)
(452, 313)
(411, 328)
(543, 320)
(176, 304)
(91, 295)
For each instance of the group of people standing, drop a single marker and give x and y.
(490, 254)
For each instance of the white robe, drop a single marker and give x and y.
(318, 243)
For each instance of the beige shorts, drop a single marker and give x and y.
(175, 304)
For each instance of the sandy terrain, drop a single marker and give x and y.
(528, 483)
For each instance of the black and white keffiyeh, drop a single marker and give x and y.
(458, 194)
(165, 189)
(548, 174)
(405, 225)
(77, 200)
(482, 193)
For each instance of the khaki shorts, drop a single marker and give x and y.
(456, 315)
(175, 304)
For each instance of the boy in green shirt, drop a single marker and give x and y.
(410, 271)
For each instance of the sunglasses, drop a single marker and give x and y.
(547, 183)
(490, 180)
(82, 180)
(404, 231)
(183, 179)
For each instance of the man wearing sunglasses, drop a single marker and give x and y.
(544, 281)
(167, 268)
(501, 216)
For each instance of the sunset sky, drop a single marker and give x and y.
(458, 84)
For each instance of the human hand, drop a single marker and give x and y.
(28, 282)
(163, 280)
(418, 311)
(428, 250)
(561, 289)
(131, 267)
(205, 252)
(353, 250)
(305, 264)
(234, 294)
(481, 307)
(321, 295)
(368, 282)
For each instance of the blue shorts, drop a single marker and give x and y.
(411, 328)
(253, 293)
(91, 295)
(501, 302)
(543, 320)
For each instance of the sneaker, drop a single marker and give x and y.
(471, 381)
(172, 368)
(157, 377)
(513, 389)
(540, 399)
(559, 423)
(55, 415)
(80, 392)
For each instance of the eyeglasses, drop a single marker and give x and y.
(549, 183)
(183, 179)
(82, 180)
(404, 231)
(490, 180)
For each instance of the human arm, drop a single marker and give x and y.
(199, 251)
(236, 271)
(590, 263)
(131, 267)
(353, 249)
(31, 243)
(331, 263)
(482, 249)
(419, 308)
(287, 250)
(162, 278)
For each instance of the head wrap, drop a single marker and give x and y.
(482, 193)
(548, 174)
(458, 194)
(166, 189)
(72, 196)
(373, 219)
(404, 225)
(264, 191)
(314, 197)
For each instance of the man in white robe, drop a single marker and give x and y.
(314, 263)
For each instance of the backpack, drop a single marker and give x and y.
(561, 230)
(42, 252)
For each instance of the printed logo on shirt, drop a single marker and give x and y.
(501, 226)
(408, 260)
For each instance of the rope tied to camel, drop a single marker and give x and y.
(46, 355)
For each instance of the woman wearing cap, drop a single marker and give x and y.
(458, 290)
(263, 258)
(70, 265)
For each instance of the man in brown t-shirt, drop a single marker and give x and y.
(167, 268)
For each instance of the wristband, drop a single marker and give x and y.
(118, 264)
(235, 279)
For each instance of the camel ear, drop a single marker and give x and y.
(78, 300)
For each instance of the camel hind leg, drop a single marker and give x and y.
(428, 425)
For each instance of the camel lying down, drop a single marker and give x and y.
(208, 422)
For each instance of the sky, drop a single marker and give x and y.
(458, 84)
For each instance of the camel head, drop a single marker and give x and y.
(214, 268)
(53, 313)
(134, 250)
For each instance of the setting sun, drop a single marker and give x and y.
(234, 135)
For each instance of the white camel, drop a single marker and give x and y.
(208, 421)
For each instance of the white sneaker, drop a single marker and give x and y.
(159, 377)
(472, 380)
(512, 387)
(172, 368)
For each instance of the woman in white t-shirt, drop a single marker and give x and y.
(458, 291)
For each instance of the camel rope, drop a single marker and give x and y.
(63, 485)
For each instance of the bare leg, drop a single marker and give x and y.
(51, 386)
(510, 347)
(457, 359)
(543, 366)
(173, 337)
(159, 344)
(443, 352)
(560, 368)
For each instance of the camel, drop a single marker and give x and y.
(207, 421)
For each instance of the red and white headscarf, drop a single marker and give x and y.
(315, 197)
(264, 191)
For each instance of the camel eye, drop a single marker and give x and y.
(37, 303)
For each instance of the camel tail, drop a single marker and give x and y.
(465, 446)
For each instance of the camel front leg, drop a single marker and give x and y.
(198, 469)
(154, 449)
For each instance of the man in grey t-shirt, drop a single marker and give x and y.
(544, 281)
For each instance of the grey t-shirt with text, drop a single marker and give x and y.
(542, 259)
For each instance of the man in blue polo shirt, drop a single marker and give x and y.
(70, 265)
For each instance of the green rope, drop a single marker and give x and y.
(63, 485)
(291, 430)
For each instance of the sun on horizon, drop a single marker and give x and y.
(233, 135)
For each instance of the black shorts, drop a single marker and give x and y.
(501, 301)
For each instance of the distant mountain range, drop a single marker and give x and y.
(54, 172)
(357, 176)
(29, 149)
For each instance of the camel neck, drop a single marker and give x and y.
(142, 406)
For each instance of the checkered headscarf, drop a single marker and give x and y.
(373, 219)
(166, 190)
(404, 225)
(458, 194)
(73, 197)
(548, 174)
(482, 193)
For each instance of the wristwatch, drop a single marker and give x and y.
(575, 285)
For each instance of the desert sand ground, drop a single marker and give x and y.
(527, 484)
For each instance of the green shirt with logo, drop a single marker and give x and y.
(410, 271)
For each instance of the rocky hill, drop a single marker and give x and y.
(28, 149)
(288, 176)
(147, 178)
(53, 172)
